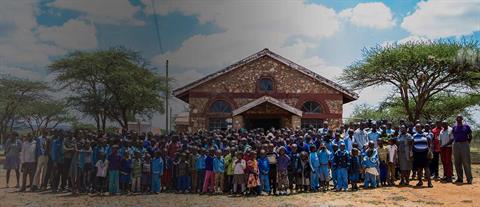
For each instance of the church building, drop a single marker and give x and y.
(263, 90)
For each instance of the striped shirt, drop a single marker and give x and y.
(420, 142)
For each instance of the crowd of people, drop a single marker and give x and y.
(241, 162)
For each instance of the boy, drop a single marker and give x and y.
(157, 172)
(125, 173)
(146, 174)
(113, 171)
(324, 158)
(392, 161)
(219, 170)
(303, 172)
(272, 164)
(200, 167)
(136, 173)
(102, 167)
(209, 183)
(182, 165)
(341, 159)
(383, 157)
(354, 169)
(370, 163)
(264, 170)
(295, 157)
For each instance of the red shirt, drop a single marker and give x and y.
(436, 141)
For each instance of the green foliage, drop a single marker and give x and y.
(418, 71)
(114, 84)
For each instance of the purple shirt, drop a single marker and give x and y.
(114, 162)
(461, 132)
(283, 162)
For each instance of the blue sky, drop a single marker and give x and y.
(200, 37)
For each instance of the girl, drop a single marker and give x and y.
(283, 161)
(253, 179)
(125, 173)
(157, 172)
(303, 172)
(239, 173)
(136, 173)
(13, 147)
(354, 170)
(146, 174)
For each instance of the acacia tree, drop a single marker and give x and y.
(40, 115)
(418, 71)
(114, 84)
(14, 93)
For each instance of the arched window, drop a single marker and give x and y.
(266, 84)
(311, 107)
(220, 107)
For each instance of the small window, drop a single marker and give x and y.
(217, 124)
(311, 107)
(266, 84)
(315, 123)
(221, 107)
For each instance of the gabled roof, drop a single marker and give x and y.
(268, 99)
(348, 95)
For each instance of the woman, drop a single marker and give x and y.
(404, 144)
(421, 146)
(13, 146)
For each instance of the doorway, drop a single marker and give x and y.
(264, 123)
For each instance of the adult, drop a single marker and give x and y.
(462, 136)
(421, 145)
(435, 149)
(404, 144)
(13, 146)
(42, 161)
(28, 161)
(446, 152)
(360, 136)
(374, 135)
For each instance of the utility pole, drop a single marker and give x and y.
(166, 98)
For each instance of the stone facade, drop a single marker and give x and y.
(241, 86)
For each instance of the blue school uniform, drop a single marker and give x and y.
(370, 179)
(264, 169)
(157, 172)
(125, 171)
(354, 169)
(314, 162)
(218, 165)
(200, 166)
(334, 168)
(342, 161)
(324, 158)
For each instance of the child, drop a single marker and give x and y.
(264, 170)
(157, 172)
(146, 174)
(324, 172)
(333, 165)
(125, 173)
(219, 170)
(370, 163)
(342, 162)
(253, 180)
(282, 171)
(102, 167)
(183, 165)
(209, 183)
(87, 174)
(382, 156)
(200, 166)
(239, 173)
(292, 168)
(230, 166)
(136, 173)
(303, 172)
(354, 169)
(113, 171)
(314, 163)
(272, 162)
(392, 161)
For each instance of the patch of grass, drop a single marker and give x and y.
(429, 202)
(467, 201)
(374, 202)
(397, 198)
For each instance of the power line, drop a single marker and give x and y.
(157, 30)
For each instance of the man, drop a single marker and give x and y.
(374, 135)
(42, 161)
(28, 162)
(435, 149)
(445, 137)
(462, 136)
(360, 136)
(323, 131)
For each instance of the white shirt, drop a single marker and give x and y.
(28, 152)
(360, 137)
(392, 153)
(239, 167)
(102, 168)
(445, 136)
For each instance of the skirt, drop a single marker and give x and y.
(420, 160)
(12, 163)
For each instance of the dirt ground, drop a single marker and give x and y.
(441, 195)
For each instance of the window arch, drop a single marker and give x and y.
(220, 106)
(311, 107)
(266, 84)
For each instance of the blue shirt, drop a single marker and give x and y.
(157, 166)
(40, 148)
(200, 162)
(420, 142)
(263, 165)
(56, 150)
(314, 161)
(373, 136)
(369, 162)
(218, 165)
(324, 156)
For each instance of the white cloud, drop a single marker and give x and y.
(74, 34)
(103, 11)
(246, 28)
(440, 18)
(375, 15)
(21, 73)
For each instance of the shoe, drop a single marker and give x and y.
(419, 184)
(430, 185)
(469, 182)
(458, 181)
